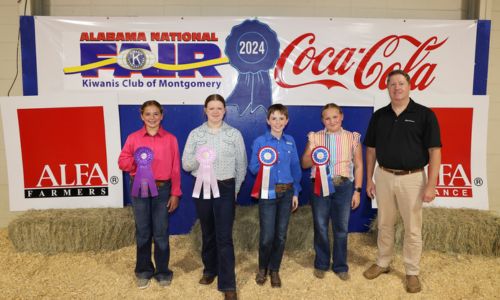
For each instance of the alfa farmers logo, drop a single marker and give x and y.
(63, 153)
(456, 134)
(148, 60)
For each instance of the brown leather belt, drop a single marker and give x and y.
(283, 187)
(401, 172)
(338, 180)
(159, 183)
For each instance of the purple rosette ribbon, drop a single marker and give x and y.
(144, 179)
(205, 176)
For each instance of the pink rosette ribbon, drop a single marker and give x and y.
(205, 176)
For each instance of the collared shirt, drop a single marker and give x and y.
(166, 162)
(341, 145)
(287, 169)
(231, 156)
(402, 142)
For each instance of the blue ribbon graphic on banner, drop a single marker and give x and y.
(253, 49)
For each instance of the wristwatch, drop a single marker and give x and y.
(358, 189)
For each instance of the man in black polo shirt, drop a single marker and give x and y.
(403, 137)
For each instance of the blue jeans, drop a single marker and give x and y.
(216, 220)
(274, 215)
(337, 208)
(151, 224)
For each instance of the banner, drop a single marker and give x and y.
(62, 151)
(253, 61)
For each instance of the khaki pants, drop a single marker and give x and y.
(403, 193)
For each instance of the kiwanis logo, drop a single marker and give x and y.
(136, 59)
(63, 154)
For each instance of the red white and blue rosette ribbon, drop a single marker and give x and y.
(206, 176)
(323, 185)
(264, 183)
(144, 179)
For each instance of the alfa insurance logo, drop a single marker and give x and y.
(456, 135)
(63, 152)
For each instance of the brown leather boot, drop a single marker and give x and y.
(207, 279)
(413, 284)
(319, 273)
(275, 279)
(230, 295)
(374, 271)
(261, 277)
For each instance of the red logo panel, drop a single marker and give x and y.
(63, 151)
(456, 135)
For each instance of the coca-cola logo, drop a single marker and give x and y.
(371, 65)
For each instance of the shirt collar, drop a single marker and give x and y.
(205, 127)
(409, 108)
(339, 132)
(161, 132)
(270, 137)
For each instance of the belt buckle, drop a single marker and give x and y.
(160, 183)
(337, 180)
(281, 187)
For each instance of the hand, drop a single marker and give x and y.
(355, 200)
(173, 203)
(311, 138)
(295, 203)
(370, 189)
(429, 193)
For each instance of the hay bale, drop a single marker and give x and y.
(300, 235)
(246, 230)
(72, 230)
(467, 231)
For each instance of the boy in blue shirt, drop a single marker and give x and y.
(276, 162)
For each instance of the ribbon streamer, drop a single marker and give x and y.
(323, 185)
(144, 179)
(264, 183)
(206, 176)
